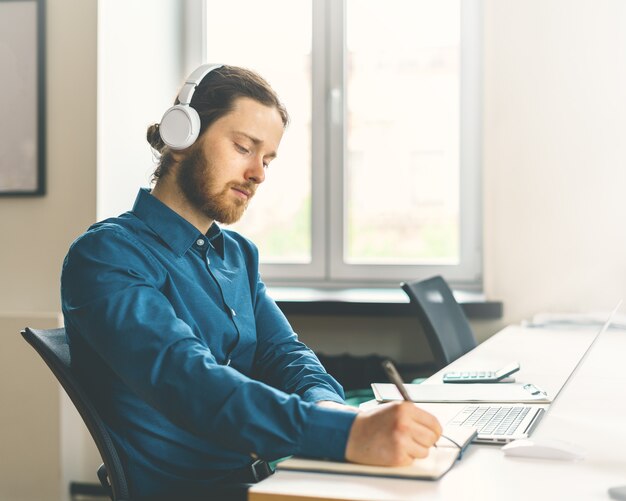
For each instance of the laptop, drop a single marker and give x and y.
(500, 424)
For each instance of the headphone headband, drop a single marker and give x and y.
(193, 80)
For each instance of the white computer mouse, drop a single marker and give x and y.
(544, 448)
(618, 492)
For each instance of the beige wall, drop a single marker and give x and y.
(29, 416)
(35, 235)
(36, 232)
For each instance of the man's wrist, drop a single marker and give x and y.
(331, 404)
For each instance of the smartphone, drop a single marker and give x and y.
(481, 376)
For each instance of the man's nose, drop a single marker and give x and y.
(256, 171)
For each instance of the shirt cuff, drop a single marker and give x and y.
(317, 394)
(326, 433)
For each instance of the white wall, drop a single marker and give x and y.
(555, 154)
(140, 66)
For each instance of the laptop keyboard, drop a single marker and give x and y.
(492, 420)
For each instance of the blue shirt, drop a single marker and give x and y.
(195, 368)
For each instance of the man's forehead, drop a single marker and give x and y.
(248, 112)
(246, 105)
(255, 121)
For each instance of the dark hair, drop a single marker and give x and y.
(214, 98)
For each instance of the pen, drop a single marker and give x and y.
(394, 377)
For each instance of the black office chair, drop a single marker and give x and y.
(53, 348)
(446, 327)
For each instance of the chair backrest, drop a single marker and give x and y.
(53, 348)
(445, 325)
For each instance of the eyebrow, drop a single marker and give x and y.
(256, 142)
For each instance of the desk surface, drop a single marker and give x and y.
(589, 412)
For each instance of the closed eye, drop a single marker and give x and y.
(242, 149)
(267, 159)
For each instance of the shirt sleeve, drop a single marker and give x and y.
(283, 361)
(111, 297)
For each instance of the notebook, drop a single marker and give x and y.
(479, 392)
(439, 461)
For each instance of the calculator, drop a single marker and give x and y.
(481, 376)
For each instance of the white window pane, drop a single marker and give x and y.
(403, 124)
(249, 33)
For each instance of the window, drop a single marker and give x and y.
(377, 178)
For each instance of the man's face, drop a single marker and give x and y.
(223, 169)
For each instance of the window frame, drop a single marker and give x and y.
(327, 268)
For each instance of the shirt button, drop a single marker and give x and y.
(200, 242)
(234, 313)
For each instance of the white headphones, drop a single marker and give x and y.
(180, 125)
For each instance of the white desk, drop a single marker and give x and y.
(590, 412)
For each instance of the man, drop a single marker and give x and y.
(195, 369)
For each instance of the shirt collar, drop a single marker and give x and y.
(178, 233)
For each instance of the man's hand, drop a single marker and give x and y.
(392, 435)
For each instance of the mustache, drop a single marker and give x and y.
(248, 187)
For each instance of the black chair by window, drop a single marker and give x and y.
(52, 346)
(445, 325)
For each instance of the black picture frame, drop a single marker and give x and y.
(22, 98)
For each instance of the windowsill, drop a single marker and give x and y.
(370, 302)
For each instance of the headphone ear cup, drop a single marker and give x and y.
(180, 127)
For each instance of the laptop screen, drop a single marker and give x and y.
(604, 327)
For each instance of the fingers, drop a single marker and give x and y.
(428, 420)
(424, 436)
(426, 425)
(415, 450)
(423, 431)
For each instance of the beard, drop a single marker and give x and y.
(196, 179)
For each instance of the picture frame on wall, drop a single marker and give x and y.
(22, 98)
